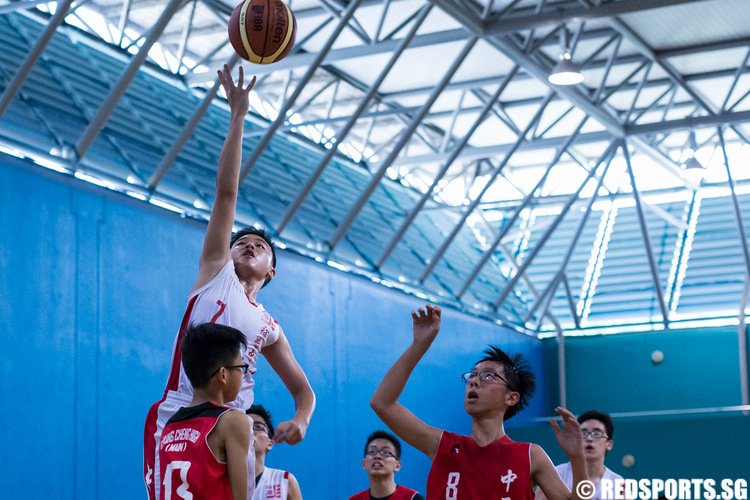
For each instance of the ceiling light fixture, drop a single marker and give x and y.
(565, 71)
(692, 170)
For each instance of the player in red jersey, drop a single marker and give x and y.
(203, 448)
(486, 465)
(382, 460)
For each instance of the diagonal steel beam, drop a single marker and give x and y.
(735, 203)
(23, 5)
(258, 151)
(23, 71)
(515, 54)
(342, 133)
(123, 22)
(511, 259)
(599, 113)
(646, 239)
(377, 176)
(448, 162)
(358, 51)
(517, 213)
(736, 79)
(187, 131)
(521, 138)
(650, 54)
(540, 244)
(560, 275)
(95, 126)
(556, 15)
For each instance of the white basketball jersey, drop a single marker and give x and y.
(273, 485)
(224, 301)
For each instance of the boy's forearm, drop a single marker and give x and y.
(395, 379)
(304, 404)
(227, 175)
(578, 468)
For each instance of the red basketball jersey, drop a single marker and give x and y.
(401, 493)
(189, 468)
(463, 470)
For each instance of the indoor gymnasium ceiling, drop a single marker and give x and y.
(420, 144)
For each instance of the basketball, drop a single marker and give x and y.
(262, 31)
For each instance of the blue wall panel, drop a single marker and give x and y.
(94, 287)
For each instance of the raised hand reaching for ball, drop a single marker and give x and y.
(237, 95)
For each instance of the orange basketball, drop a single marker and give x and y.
(262, 31)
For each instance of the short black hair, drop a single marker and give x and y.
(388, 436)
(258, 231)
(206, 347)
(518, 374)
(264, 414)
(601, 417)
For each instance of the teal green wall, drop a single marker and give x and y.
(615, 374)
(667, 448)
(701, 369)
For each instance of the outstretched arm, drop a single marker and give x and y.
(544, 473)
(215, 252)
(279, 356)
(385, 399)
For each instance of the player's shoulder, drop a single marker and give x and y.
(537, 454)
(233, 421)
(210, 273)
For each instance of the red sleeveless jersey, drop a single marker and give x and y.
(401, 493)
(188, 466)
(463, 470)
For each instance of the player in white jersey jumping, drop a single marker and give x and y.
(270, 484)
(232, 270)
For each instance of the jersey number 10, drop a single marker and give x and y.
(182, 490)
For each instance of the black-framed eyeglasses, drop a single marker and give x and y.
(244, 368)
(484, 376)
(372, 452)
(593, 434)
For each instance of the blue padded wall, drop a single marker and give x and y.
(94, 286)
